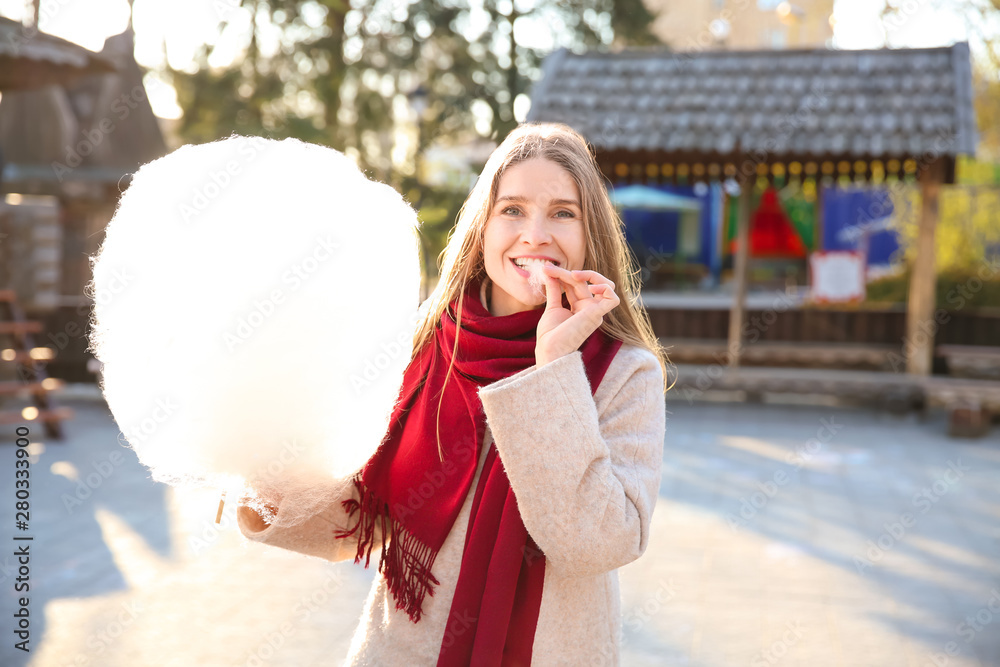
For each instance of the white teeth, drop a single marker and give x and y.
(527, 261)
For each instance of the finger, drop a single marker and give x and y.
(593, 277)
(553, 292)
(608, 299)
(599, 290)
(557, 276)
(576, 288)
(581, 289)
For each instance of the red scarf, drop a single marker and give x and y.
(415, 496)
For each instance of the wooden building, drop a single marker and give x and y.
(658, 117)
(68, 151)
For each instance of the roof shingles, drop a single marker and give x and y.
(881, 103)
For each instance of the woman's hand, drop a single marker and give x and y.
(561, 331)
(256, 519)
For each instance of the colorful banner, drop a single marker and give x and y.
(861, 220)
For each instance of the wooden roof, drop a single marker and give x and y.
(785, 105)
(99, 128)
(32, 59)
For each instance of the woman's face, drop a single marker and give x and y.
(537, 216)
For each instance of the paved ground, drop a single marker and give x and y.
(783, 536)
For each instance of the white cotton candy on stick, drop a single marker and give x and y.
(255, 302)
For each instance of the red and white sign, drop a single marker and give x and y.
(837, 276)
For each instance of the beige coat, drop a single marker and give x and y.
(586, 473)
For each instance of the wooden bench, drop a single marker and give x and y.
(971, 361)
(970, 402)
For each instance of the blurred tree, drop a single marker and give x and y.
(967, 230)
(986, 100)
(339, 73)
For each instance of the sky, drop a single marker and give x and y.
(172, 30)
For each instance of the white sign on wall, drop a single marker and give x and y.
(837, 276)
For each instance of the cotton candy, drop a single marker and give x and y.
(536, 279)
(255, 303)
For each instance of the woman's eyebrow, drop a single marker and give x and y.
(517, 199)
(520, 199)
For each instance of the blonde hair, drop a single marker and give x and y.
(606, 250)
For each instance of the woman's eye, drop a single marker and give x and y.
(566, 214)
(511, 210)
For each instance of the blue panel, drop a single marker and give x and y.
(850, 213)
(659, 229)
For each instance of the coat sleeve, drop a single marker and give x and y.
(585, 469)
(315, 536)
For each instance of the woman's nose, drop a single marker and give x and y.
(536, 231)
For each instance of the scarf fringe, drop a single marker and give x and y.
(406, 561)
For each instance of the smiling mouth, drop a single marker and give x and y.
(526, 266)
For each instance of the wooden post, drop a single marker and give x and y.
(920, 323)
(740, 275)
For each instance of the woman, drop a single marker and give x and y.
(522, 462)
